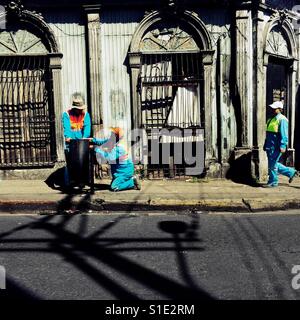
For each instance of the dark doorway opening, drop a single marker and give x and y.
(277, 80)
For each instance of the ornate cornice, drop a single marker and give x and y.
(17, 13)
(17, 9)
(172, 7)
(200, 32)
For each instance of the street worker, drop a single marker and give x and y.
(276, 144)
(76, 125)
(114, 151)
(76, 120)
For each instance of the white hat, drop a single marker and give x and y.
(78, 101)
(276, 105)
(78, 104)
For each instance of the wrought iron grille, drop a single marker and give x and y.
(171, 86)
(26, 112)
(170, 89)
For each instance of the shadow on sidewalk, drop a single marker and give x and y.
(15, 291)
(56, 182)
(79, 247)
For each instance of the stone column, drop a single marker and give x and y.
(297, 110)
(55, 68)
(244, 67)
(259, 158)
(211, 165)
(243, 97)
(135, 63)
(141, 152)
(94, 65)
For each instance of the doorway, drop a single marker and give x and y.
(171, 96)
(277, 84)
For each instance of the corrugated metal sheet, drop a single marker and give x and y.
(117, 28)
(69, 30)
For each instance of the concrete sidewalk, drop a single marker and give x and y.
(207, 195)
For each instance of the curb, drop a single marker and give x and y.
(100, 205)
(260, 205)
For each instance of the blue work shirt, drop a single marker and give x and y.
(117, 157)
(83, 130)
(279, 139)
(76, 127)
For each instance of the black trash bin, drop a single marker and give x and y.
(80, 163)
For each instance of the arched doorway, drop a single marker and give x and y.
(278, 69)
(280, 73)
(29, 89)
(170, 56)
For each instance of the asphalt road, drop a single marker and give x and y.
(150, 256)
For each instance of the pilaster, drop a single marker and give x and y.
(55, 69)
(94, 65)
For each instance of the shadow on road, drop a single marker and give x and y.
(15, 291)
(77, 247)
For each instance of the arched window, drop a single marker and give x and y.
(278, 67)
(170, 61)
(170, 78)
(27, 121)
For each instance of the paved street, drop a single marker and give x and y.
(150, 255)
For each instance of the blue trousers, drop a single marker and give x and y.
(122, 176)
(275, 167)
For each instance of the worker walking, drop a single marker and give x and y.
(276, 144)
(114, 151)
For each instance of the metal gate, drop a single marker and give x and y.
(171, 86)
(26, 112)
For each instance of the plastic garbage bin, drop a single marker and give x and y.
(80, 163)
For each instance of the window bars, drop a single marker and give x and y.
(171, 95)
(170, 86)
(26, 112)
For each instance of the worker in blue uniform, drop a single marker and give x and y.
(276, 144)
(76, 123)
(115, 152)
(76, 120)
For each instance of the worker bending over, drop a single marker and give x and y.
(114, 151)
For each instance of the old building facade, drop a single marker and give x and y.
(208, 66)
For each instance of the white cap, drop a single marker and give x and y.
(276, 105)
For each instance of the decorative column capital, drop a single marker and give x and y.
(135, 59)
(242, 14)
(92, 16)
(55, 60)
(207, 57)
(94, 8)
